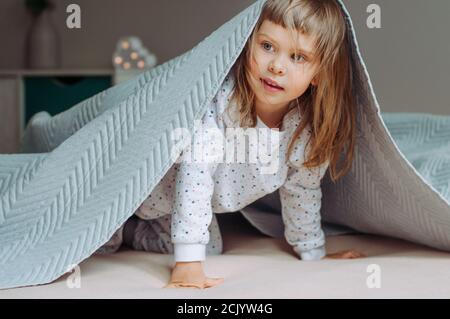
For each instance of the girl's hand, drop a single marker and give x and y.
(346, 254)
(191, 275)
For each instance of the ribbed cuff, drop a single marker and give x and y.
(189, 252)
(312, 254)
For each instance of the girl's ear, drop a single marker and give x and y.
(314, 81)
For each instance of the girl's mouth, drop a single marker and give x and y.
(271, 88)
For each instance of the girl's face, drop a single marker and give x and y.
(275, 59)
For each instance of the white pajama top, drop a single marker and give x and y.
(192, 191)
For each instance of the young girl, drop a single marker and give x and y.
(293, 79)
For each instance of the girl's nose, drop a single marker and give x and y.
(276, 68)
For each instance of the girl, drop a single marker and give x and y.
(292, 79)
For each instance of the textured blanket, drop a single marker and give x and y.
(86, 170)
(424, 139)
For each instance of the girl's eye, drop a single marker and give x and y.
(266, 43)
(300, 56)
(267, 46)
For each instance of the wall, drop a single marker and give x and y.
(407, 58)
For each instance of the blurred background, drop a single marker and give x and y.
(44, 65)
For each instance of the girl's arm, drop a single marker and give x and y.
(300, 198)
(192, 215)
(301, 201)
(194, 187)
(192, 211)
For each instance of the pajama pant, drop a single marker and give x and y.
(154, 235)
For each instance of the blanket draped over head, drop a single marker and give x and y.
(82, 173)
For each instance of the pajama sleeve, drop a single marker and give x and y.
(300, 197)
(194, 186)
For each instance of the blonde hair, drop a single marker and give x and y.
(328, 108)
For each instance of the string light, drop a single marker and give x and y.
(118, 60)
(134, 55)
(125, 45)
(131, 58)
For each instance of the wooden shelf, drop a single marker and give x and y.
(13, 98)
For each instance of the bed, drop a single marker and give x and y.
(255, 265)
